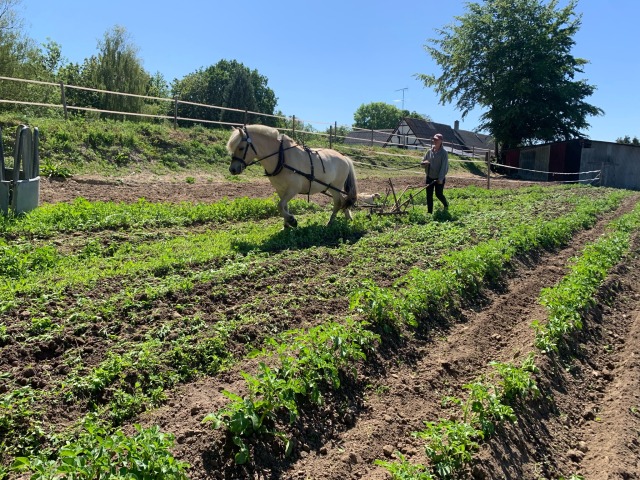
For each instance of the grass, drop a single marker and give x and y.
(83, 145)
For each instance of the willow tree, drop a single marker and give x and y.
(513, 59)
(118, 68)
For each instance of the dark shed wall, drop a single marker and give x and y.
(620, 164)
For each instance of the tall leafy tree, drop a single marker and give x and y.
(20, 57)
(209, 86)
(15, 53)
(239, 95)
(118, 68)
(377, 115)
(513, 58)
(380, 115)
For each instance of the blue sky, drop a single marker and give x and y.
(325, 59)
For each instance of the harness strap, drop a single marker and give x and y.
(308, 177)
(311, 176)
(280, 163)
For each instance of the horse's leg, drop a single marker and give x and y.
(289, 220)
(337, 203)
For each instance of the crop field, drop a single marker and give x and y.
(498, 339)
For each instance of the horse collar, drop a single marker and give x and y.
(280, 164)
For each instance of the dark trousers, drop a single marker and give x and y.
(439, 188)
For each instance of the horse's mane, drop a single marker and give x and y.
(270, 132)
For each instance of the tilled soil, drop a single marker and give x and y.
(586, 422)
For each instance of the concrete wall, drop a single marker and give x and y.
(620, 164)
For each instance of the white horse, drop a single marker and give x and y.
(293, 169)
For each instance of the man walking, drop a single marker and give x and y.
(436, 165)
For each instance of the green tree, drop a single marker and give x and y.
(80, 75)
(513, 58)
(626, 140)
(209, 87)
(20, 57)
(239, 94)
(378, 115)
(117, 68)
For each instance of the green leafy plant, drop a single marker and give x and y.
(4, 335)
(404, 470)
(450, 445)
(98, 453)
(517, 382)
(56, 170)
(21, 430)
(305, 361)
(381, 307)
(574, 294)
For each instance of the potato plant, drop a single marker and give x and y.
(122, 303)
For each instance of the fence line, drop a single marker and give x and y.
(175, 118)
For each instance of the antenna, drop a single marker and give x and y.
(403, 89)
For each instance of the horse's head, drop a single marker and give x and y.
(238, 146)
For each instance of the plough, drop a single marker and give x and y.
(392, 203)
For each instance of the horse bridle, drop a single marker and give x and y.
(247, 139)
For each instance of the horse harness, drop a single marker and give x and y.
(282, 164)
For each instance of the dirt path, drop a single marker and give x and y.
(208, 189)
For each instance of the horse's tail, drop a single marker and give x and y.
(350, 187)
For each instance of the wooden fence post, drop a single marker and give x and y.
(64, 101)
(293, 127)
(330, 143)
(486, 157)
(175, 113)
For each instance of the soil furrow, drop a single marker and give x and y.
(408, 393)
(501, 332)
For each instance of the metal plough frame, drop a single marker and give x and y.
(392, 204)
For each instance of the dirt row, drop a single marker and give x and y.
(584, 424)
(204, 188)
(587, 422)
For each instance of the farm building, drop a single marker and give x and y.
(415, 133)
(619, 163)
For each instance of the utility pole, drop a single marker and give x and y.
(403, 89)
